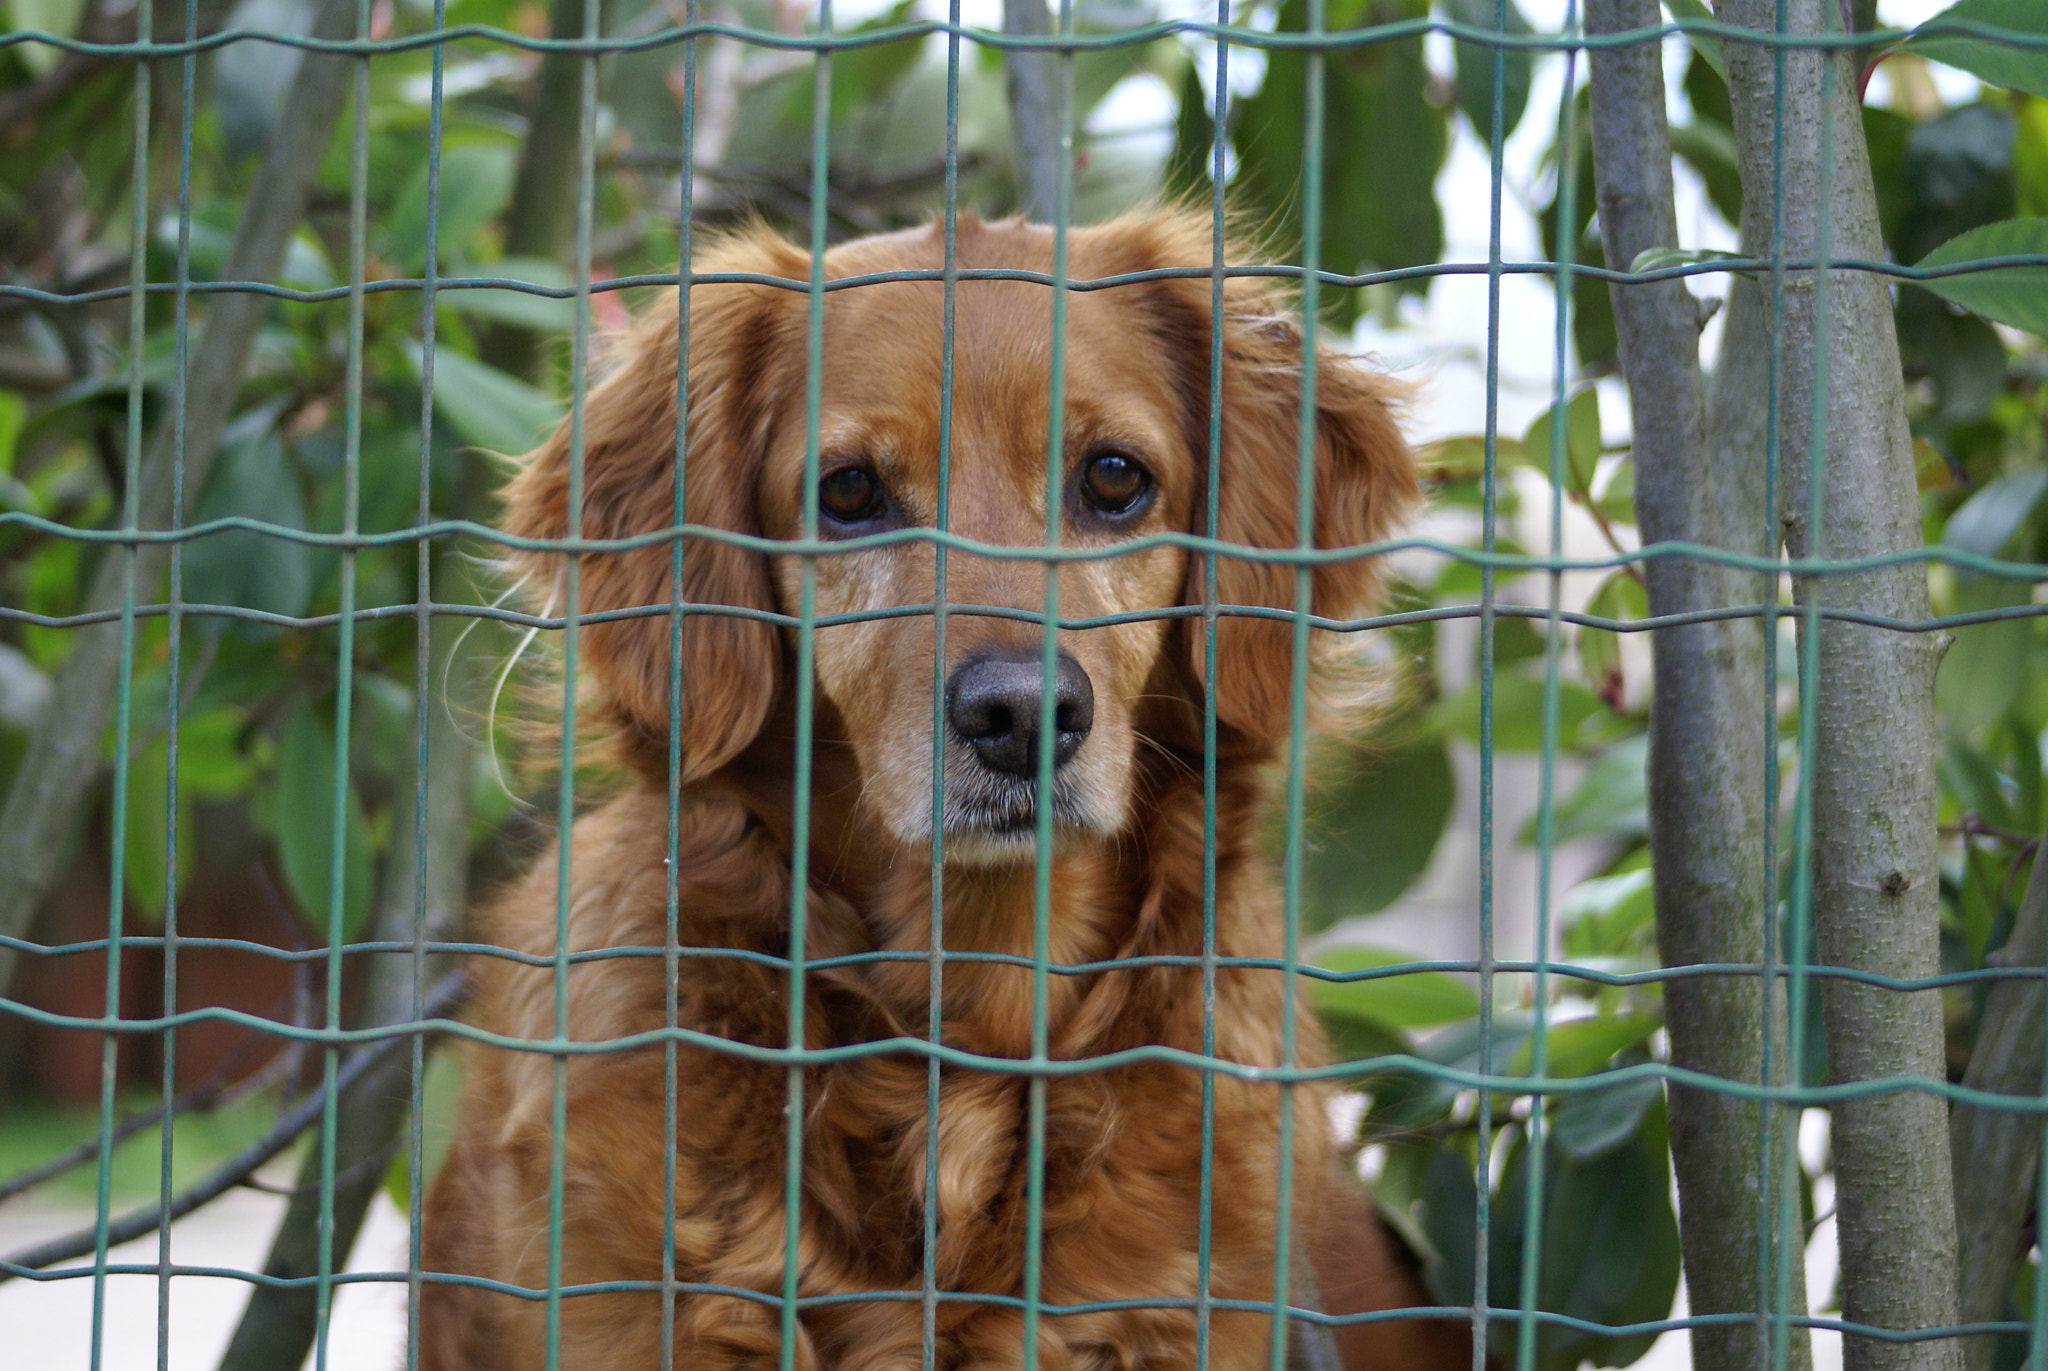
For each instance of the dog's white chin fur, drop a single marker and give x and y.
(984, 845)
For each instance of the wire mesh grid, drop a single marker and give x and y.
(149, 540)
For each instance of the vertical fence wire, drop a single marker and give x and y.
(1800, 930)
(344, 688)
(1036, 1084)
(942, 513)
(806, 689)
(572, 604)
(1489, 533)
(1295, 802)
(173, 687)
(671, 888)
(422, 718)
(1534, 1139)
(1212, 520)
(117, 803)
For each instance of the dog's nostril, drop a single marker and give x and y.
(995, 703)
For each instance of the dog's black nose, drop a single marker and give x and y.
(995, 703)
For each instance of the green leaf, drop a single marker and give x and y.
(1353, 1039)
(476, 184)
(1581, 441)
(1620, 597)
(1972, 779)
(1603, 916)
(1461, 580)
(542, 313)
(1611, 799)
(1987, 523)
(1191, 163)
(1518, 712)
(1985, 668)
(1987, 58)
(145, 869)
(1709, 148)
(497, 412)
(1609, 1251)
(1657, 259)
(1579, 1047)
(13, 411)
(1415, 999)
(303, 810)
(1384, 147)
(210, 766)
(2016, 296)
(1404, 1100)
(1450, 1222)
(1958, 352)
(1474, 69)
(254, 479)
(1593, 1124)
(208, 239)
(1463, 458)
(1707, 45)
(1372, 834)
(59, 18)
(866, 77)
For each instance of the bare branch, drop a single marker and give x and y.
(279, 1325)
(238, 1168)
(1034, 111)
(1994, 1152)
(1710, 722)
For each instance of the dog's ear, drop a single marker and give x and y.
(730, 666)
(1365, 485)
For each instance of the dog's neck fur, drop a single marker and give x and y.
(1109, 898)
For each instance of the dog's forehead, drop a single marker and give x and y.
(886, 346)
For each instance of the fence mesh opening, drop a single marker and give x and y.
(1675, 928)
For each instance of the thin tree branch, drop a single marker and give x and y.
(238, 1168)
(279, 1325)
(1034, 111)
(538, 220)
(218, 1089)
(1710, 722)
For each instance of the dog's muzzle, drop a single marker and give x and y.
(995, 706)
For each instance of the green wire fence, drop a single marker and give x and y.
(140, 550)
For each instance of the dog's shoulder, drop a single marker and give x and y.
(730, 925)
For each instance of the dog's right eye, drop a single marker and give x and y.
(850, 495)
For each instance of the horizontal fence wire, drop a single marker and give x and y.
(1064, 42)
(346, 1053)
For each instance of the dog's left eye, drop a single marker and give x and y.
(1114, 482)
(850, 495)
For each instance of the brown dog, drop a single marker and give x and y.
(1122, 1146)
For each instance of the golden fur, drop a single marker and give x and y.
(1122, 1146)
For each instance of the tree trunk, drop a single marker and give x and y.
(541, 213)
(1710, 722)
(1874, 877)
(64, 754)
(279, 1325)
(1996, 1151)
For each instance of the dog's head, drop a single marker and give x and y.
(1133, 464)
